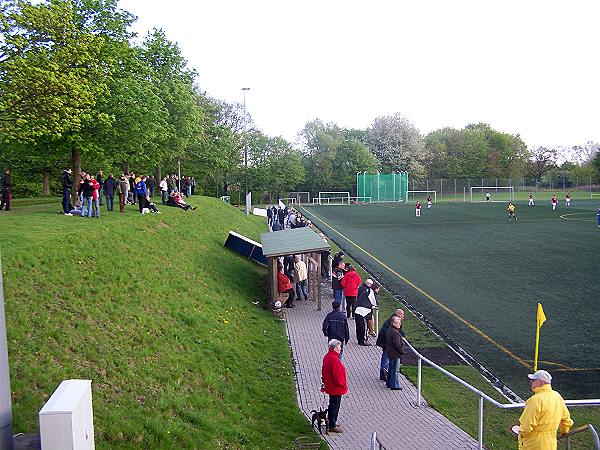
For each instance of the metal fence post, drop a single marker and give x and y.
(418, 382)
(480, 423)
(6, 435)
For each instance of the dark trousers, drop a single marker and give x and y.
(350, 302)
(333, 410)
(360, 328)
(5, 202)
(110, 202)
(291, 296)
(165, 197)
(151, 192)
(66, 201)
(141, 201)
(393, 380)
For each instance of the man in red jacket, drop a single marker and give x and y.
(284, 285)
(350, 283)
(333, 375)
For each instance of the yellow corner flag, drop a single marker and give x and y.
(541, 318)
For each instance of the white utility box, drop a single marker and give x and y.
(67, 420)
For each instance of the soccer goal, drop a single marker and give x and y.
(422, 196)
(359, 200)
(290, 200)
(301, 197)
(594, 195)
(497, 193)
(332, 198)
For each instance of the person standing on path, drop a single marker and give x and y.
(67, 184)
(363, 312)
(336, 284)
(383, 365)
(300, 277)
(395, 349)
(350, 283)
(545, 411)
(333, 376)
(335, 326)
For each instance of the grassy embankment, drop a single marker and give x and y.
(457, 403)
(158, 315)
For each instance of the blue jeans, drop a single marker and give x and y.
(165, 196)
(383, 365)
(66, 201)
(188, 191)
(86, 210)
(393, 381)
(99, 197)
(338, 295)
(110, 202)
(151, 192)
(302, 288)
(96, 204)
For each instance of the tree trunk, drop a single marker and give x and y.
(76, 166)
(46, 184)
(125, 167)
(158, 174)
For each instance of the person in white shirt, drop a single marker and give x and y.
(164, 190)
(300, 277)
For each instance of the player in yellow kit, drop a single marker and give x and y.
(511, 211)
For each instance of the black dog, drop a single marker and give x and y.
(320, 417)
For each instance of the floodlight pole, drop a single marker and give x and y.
(6, 437)
(244, 90)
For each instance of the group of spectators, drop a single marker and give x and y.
(129, 188)
(353, 300)
(281, 217)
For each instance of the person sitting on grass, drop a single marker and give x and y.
(176, 200)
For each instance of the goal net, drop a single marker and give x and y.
(496, 193)
(332, 198)
(422, 196)
(383, 187)
(301, 197)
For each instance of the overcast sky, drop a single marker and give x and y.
(527, 67)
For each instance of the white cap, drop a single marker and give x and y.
(369, 281)
(541, 375)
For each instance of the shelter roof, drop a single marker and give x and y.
(291, 242)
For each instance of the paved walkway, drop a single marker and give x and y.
(369, 406)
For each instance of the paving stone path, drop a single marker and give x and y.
(369, 406)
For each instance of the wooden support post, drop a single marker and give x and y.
(318, 278)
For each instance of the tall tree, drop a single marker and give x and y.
(542, 160)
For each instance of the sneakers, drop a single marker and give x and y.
(68, 214)
(336, 429)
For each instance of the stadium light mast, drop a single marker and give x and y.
(244, 90)
(6, 437)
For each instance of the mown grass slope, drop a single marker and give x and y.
(158, 315)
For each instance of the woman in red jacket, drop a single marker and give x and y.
(333, 375)
(284, 285)
(350, 283)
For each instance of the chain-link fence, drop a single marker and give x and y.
(459, 189)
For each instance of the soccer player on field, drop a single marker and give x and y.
(487, 196)
(568, 199)
(429, 202)
(531, 202)
(554, 202)
(418, 209)
(511, 211)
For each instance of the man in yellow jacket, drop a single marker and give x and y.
(544, 412)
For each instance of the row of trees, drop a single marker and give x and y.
(75, 90)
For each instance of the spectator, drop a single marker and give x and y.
(325, 259)
(281, 217)
(151, 184)
(100, 181)
(395, 349)
(362, 314)
(285, 286)
(5, 190)
(82, 181)
(110, 185)
(336, 284)
(383, 365)
(333, 376)
(335, 326)
(67, 184)
(172, 186)
(96, 197)
(193, 180)
(175, 199)
(369, 318)
(188, 186)
(350, 283)
(300, 277)
(87, 191)
(337, 258)
(276, 226)
(132, 189)
(142, 193)
(545, 412)
(164, 190)
(122, 189)
(288, 267)
(269, 217)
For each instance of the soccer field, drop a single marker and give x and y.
(478, 277)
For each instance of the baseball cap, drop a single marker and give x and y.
(369, 281)
(541, 375)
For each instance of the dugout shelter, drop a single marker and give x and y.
(297, 241)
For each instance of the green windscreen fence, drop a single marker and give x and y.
(383, 187)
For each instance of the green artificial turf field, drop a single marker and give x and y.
(478, 277)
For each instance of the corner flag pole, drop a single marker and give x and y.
(541, 318)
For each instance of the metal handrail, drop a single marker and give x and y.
(482, 396)
(375, 442)
(587, 427)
